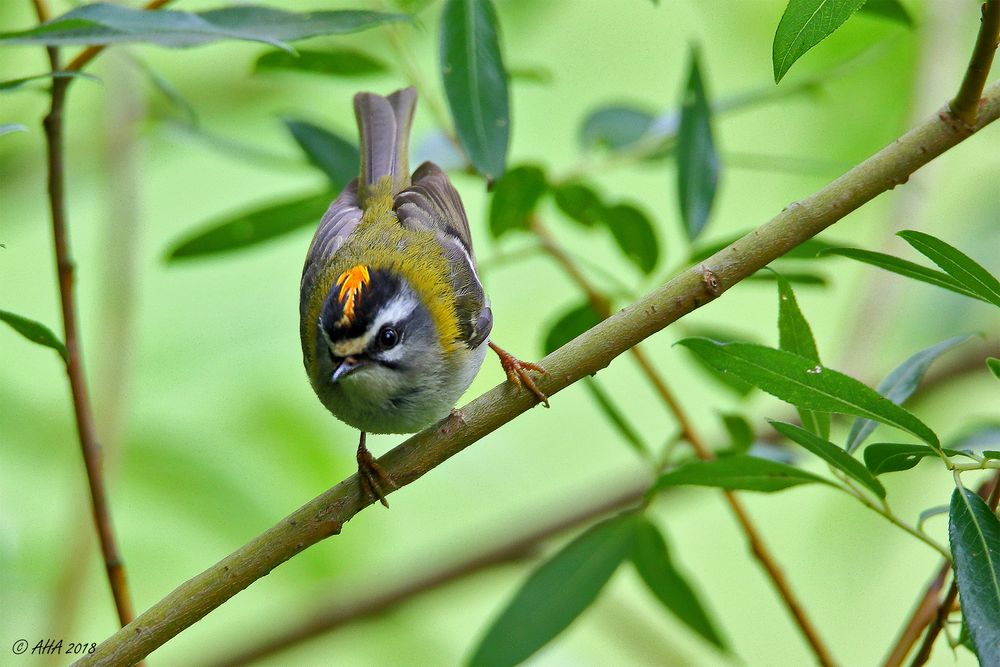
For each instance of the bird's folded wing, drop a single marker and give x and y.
(337, 224)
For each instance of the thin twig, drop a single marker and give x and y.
(990, 490)
(600, 304)
(585, 355)
(966, 104)
(339, 613)
(90, 448)
(82, 410)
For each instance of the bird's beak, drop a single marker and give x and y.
(346, 366)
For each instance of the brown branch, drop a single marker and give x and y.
(65, 267)
(928, 610)
(965, 106)
(90, 448)
(601, 305)
(587, 354)
(340, 613)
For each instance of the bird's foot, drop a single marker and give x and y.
(374, 481)
(517, 372)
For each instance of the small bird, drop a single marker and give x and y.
(393, 319)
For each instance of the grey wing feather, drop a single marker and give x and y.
(431, 203)
(336, 225)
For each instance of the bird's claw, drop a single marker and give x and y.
(517, 372)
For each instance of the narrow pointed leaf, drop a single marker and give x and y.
(974, 534)
(556, 593)
(889, 9)
(886, 457)
(633, 232)
(34, 331)
(252, 227)
(698, 164)
(476, 83)
(608, 408)
(103, 23)
(515, 197)
(740, 434)
(615, 127)
(900, 384)
(904, 268)
(652, 560)
(739, 472)
(832, 454)
(580, 202)
(337, 157)
(957, 264)
(805, 24)
(795, 336)
(806, 384)
(12, 85)
(332, 62)
(994, 365)
(570, 324)
(728, 381)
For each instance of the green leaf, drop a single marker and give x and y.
(614, 127)
(252, 227)
(332, 62)
(166, 88)
(34, 331)
(903, 268)
(740, 434)
(337, 157)
(697, 160)
(556, 593)
(579, 202)
(103, 23)
(974, 534)
(993, 364)
(957, 264)
(570, 325)
(739, 472)
(633, 232)
(652, 560)
(886, 457)
(476, 83)
(12, 85)
(900, 384)
(795, 336)
(802, 278)
(806, 384)
(832, 454)
(515, 197)
(805, 24)
(889, 9)
(615, 416)
(9, 128)
(727, 380)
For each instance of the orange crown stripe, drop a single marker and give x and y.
(351, 282)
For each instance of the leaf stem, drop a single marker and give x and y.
(965, 106)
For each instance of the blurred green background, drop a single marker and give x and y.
(212, 433)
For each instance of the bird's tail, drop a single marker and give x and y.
(384, 125)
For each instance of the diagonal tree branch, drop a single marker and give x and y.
(966, 104)
(337, 613)
(587, 354)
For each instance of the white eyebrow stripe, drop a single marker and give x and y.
(397, 310)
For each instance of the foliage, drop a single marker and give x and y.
(613, 241)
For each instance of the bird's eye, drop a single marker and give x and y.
(388, 337)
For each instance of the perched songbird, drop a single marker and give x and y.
(393, 319)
